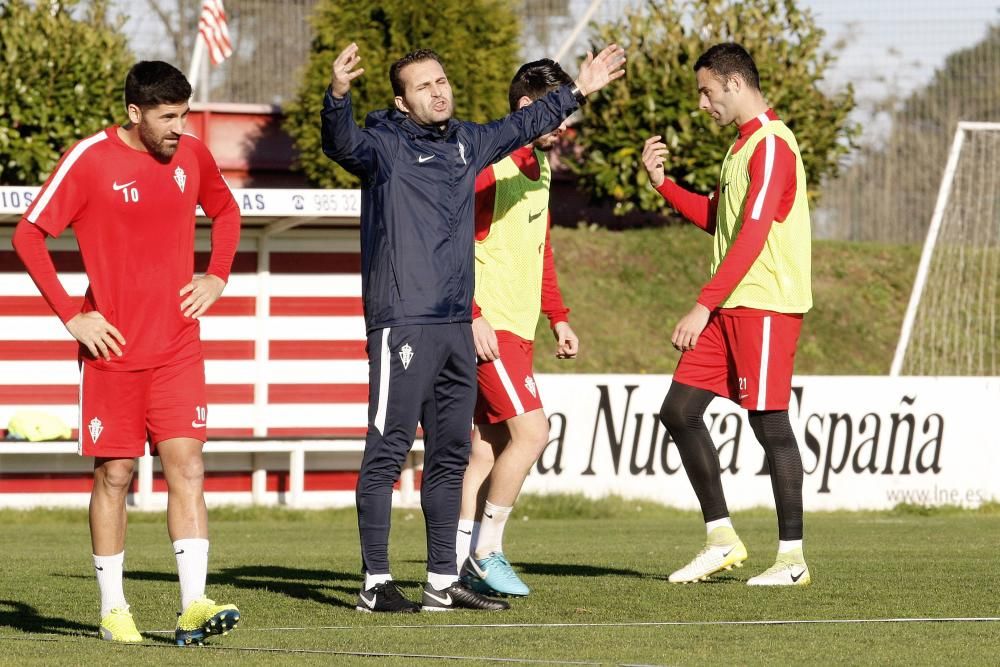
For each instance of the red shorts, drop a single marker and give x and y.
(745, 355)
(507, 386)
(121, 410)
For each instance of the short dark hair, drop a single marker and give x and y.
(535, 79)
(728, 59)
(418, 56)
(151, 83)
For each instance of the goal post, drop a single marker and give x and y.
(951, 322)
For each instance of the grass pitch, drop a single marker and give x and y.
(599, 591)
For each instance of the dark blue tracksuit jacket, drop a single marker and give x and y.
(418, 188)
(417, 231)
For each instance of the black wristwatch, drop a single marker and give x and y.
(581, 99)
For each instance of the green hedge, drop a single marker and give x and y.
(476, 39)
(61, 79)
(663, 39)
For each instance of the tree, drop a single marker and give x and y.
(179, 19)
(888, 192)
(61, 79)
(663, 39)
(476, 39)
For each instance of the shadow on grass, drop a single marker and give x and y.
(567, 570)
(573, 570)
(292, 582)
(26, 618)
(715, 579)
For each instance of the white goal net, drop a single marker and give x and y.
(952, 323)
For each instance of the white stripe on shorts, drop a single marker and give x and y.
(383, 382)
(509, 386)
(79, 437)
(765, 348)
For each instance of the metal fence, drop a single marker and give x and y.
(894, 52)
(271, 40)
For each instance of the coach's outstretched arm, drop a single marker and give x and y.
(501, 137)
(698, 209)
(598, 71)
(343, 141)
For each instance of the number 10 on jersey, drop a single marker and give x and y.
(129, 192)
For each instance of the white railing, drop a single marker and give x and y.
(296, 494)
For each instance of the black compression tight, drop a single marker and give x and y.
(683, 413)
(774, 432)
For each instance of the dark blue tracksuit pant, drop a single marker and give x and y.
(424, 373)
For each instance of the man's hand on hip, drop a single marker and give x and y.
(98, 335)
(202, 292)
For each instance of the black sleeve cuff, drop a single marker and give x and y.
(331, 102)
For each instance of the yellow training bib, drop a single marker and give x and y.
(779, 279)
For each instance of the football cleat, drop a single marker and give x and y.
(119, 626)
(493, 575)
(385, 597)
(459, 596)
(788, 570)
(204, 618)
(723, 550)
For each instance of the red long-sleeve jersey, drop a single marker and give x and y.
(133, 217)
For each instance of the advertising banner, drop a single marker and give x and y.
(262, 202)
(866, 442)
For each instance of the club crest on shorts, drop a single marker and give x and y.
(529, 384)
(95, 427)
(406, 355)
(180, 178)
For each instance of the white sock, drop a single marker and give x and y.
(491, 531)
(715, 523)
(476, 528)
(784, 546)
(109, 582)
(192, 568)
(463, 541)
(439, 582)
(373, 580)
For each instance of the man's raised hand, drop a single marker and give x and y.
(600, 70)
(654, 152)
(344, 72)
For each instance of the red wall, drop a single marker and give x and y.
(248, 143)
